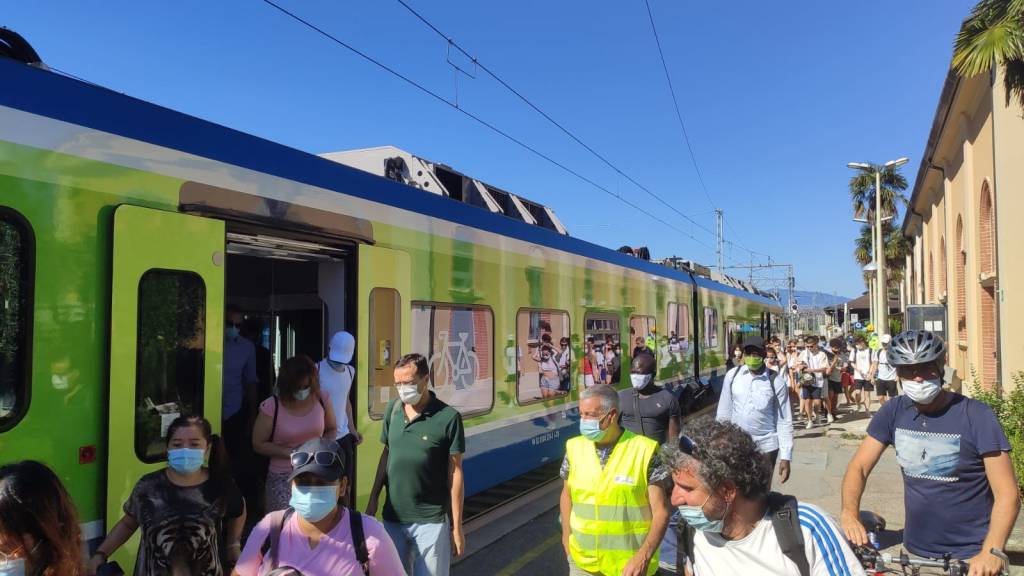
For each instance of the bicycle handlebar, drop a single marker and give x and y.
(872, 559)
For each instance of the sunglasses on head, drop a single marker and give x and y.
(322, 458)
(686, 445)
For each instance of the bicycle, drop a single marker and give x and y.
(876, 562)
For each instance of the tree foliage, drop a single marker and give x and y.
(993, 35)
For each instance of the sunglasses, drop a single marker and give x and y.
(324, 458)
(686, 445)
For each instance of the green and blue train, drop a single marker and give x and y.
(126, 229)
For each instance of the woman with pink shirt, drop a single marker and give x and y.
(298, 413)
(316, 536)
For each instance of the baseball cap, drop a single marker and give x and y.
(754, 342)
(342, 347)
(886, 338)
(325, 467)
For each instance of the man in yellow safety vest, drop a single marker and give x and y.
(614, 509)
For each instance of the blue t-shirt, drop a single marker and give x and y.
(947, 498)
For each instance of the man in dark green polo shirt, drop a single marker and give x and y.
(422, 468)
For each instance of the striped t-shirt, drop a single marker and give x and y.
(827, 551)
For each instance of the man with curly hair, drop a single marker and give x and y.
(736, 526)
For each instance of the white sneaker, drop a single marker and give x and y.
(831, 419)
(809, 425)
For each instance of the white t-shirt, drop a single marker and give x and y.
(759, 552)
(338, 385)
(815, 362)
(885, 370)
(861, 363)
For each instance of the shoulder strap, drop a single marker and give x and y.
(359, 540)
(729, 377)
(684, 545)
(273, 426)
(270, 545)
(636, 412)
(786, 522)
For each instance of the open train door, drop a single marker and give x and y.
(166, 341)
(383, 337)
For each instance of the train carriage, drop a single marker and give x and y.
(127, 228)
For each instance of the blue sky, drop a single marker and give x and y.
(777, 98)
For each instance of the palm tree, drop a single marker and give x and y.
(992, 35)
(862, 191)
(896, 249)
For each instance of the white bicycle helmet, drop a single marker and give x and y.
(915, 347)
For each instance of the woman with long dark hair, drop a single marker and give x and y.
(39, 531)
(182, 509)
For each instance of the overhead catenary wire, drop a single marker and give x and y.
(548, 117)
(682, 125)
(479, 120)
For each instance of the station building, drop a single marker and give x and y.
(965, 222)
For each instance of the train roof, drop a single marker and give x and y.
(52, 95)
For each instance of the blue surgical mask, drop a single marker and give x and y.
(314, 503)
(694, 516)
(12, 567)
(232, 332)
(185, 460)
(591, 429)
(302, 394)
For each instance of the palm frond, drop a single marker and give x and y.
(991, 35)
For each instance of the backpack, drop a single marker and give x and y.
(278, 520)
(785, 521)
(772, 375)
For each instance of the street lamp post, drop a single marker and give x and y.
(881, 294)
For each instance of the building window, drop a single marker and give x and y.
(543, 355)
(943, 289)
(961, 288)
(931, 278)
(987, 254)
(457, 341)
(170, 356)
(710, 327)
(17, 252)
(385, 333)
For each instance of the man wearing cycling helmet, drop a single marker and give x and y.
(959, 489)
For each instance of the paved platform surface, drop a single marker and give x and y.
(819, 462)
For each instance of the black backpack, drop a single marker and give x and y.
(269, 548)
(785, 521)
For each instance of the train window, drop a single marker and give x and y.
(643, 333)
(543, 355)
(170, 356)
(733, 335)
(710, 327)
(600, 329)
(385, 347)
(16, 286)
(678, 330)
(457, 341)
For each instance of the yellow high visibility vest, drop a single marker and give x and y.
(611, 514)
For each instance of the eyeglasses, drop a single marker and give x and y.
(323, 458)
(686, 445)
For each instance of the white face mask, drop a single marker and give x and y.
(13, 567)
(409, 393)
(922, 392)
(640, 381)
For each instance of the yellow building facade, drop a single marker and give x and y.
(966, 226)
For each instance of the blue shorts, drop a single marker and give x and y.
(810, 393)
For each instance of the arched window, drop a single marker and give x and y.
(961, 288)
(942, 288)
(987, 295)
(931, 278)
(987, 251)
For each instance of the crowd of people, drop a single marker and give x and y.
(640, 493)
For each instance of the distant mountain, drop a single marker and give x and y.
(806, 299)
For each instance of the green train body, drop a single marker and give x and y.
(122, 222)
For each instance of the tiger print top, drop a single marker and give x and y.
(180, 525)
